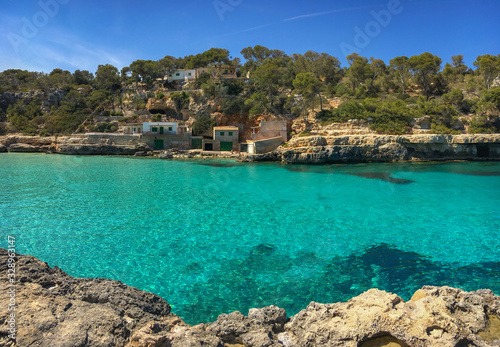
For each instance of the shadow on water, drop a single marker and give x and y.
(480, 173)
(220, 164)
(383, 176)
(264, 276)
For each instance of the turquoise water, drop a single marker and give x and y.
(217, 236)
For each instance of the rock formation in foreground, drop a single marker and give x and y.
(55, 309)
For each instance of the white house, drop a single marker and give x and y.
(182, 75)
(159, 128)
(186, 74)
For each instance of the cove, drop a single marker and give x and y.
(217, 236)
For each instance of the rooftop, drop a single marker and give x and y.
(233, 128)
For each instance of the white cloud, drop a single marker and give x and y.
(317, 14)
(57, 49)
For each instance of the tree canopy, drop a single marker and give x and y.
(270, 82)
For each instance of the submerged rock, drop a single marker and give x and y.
(55, 309)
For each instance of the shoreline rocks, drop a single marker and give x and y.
(299, 150)
(384, 148)
(55, 309)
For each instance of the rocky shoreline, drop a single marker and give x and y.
(384, 148)
(299, 150)
(55, 309)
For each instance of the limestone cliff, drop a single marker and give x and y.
(55, 309)
(385, 148)
(84, 144)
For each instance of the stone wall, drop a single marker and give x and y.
(265, 146)
(169, 141)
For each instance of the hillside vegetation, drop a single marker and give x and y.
(389, 96)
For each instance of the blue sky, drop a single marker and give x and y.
(77, 34)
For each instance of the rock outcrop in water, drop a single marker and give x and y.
(76, 145)
(55, 309)
(384, 148)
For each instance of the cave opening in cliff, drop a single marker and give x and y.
(483, 151)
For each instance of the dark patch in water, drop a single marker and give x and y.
(265, 276)
(383, 176)
(310, 169)
(264, 249)
(194, 267)
(220, 164)
(298, 169)
(481, 173)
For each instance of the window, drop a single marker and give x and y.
(154, 129)
(189, 74)
(221, 133)
(169, 128)
(230, 133)
(178, 74)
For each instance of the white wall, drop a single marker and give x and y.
(148, 125)
(183, 74)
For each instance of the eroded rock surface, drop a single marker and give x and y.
(384, 148)
(55, 309)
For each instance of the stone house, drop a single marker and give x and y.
(166, 135)
(224, 138)
(268, 136)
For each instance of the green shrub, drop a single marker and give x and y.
(160, 96)
(442, 129)
(390, 117)
(324, 115)
(351, 109)
(402, 96)
(180, 99)
(412, 100)
(492, 96)
(104, 128)
(203, 78)
(232, 106)
(233, 86)
(304, 133)
(202, 124)
(210, 89)
(481, 125)
(64, 122)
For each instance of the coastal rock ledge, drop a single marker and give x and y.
(384, 148)
(55, 309)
